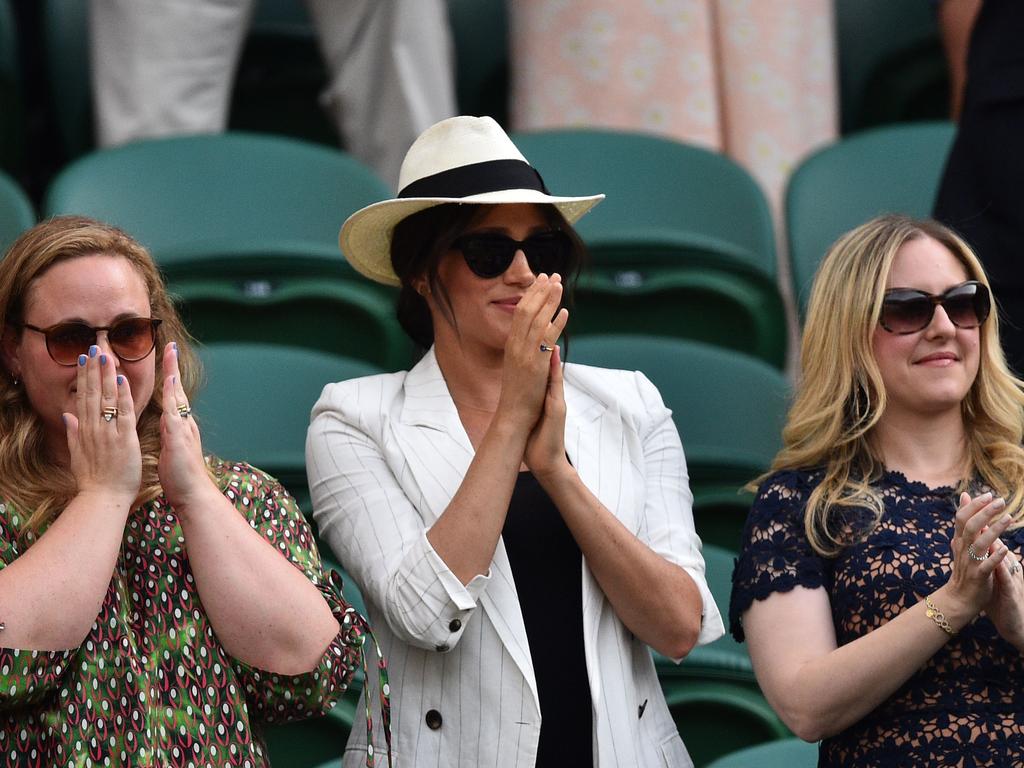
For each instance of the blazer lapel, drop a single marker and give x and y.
(438, 454)
(597, 447)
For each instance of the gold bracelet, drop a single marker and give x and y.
(938, 617)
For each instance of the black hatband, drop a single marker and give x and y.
(476, 179)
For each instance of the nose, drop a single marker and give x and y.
(519, 272)
(103, 342)
(940, 325)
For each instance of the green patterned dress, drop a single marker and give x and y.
(151, 685)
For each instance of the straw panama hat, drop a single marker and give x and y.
(458, 160)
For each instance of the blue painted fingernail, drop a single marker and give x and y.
(174, 379)
(103, 359)
(120, 379)
(64, 418)
(93, 350)
(174, 346)
(82, 359)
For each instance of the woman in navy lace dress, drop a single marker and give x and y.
(880, 588)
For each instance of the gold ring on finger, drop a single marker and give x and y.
(974, 555)
(184, 411)
(109, 413)
(545, 347)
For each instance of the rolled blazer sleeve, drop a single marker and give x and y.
(369, 521)
(667, 525)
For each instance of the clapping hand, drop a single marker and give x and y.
(182, 468)
(102, 440)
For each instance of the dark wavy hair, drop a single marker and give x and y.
(420, 241)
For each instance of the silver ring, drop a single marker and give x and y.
(974, 555)
(1015, 569)
(545, 348)
(184, 411)
(109, 413)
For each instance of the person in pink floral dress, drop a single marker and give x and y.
(158, 607)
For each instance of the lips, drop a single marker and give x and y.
(510, 302)
(936, 357)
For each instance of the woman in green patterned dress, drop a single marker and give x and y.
(157, 607)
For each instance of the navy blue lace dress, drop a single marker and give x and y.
(965, 707)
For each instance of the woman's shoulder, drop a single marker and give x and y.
(361, 388)
(627, 389)
(790, 482)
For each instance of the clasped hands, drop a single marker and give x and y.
(532, 393)
(986, 574)
(103, 442)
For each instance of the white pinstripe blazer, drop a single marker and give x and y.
(385, 455)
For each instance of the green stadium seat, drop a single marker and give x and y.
(785, 753)
(682, 246)
(249, 224)
(12, 130)
(729, 409)
(480, 38)
(717, 718)
(891, 64)
(16, 214)
(893, 169)
(306, 743)
(256, 401)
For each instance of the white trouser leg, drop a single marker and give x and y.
(164, 67)
(392, 73)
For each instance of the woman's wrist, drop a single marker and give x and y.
(958, 610)
(119, 498)
(203, 497)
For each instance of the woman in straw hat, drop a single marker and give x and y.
(156, 608)
(521, 529)
(880, 587)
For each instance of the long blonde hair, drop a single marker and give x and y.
(29, 479)
(840, 396)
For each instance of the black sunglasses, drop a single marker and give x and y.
(907, 311)
(490, 254)
(131, 339)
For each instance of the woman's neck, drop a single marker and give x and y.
(928, 448)
(473, 378)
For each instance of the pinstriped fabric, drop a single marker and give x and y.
(385, 455)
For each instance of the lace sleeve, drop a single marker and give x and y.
(776, 555)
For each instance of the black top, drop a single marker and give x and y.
(547, 566)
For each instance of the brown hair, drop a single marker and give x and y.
(28, 478)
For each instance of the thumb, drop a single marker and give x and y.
(71, 432)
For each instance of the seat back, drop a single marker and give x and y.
(234, 196)
(729, 435)
(726, 431)
(715, 718)
(66, 38)
(891, 64)
(11, 110)
(244, 226)
(682, 246)
(256, 402)
(784, 753)
(480, 39)
(894, 169)
(658, 191)
(16, 214)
